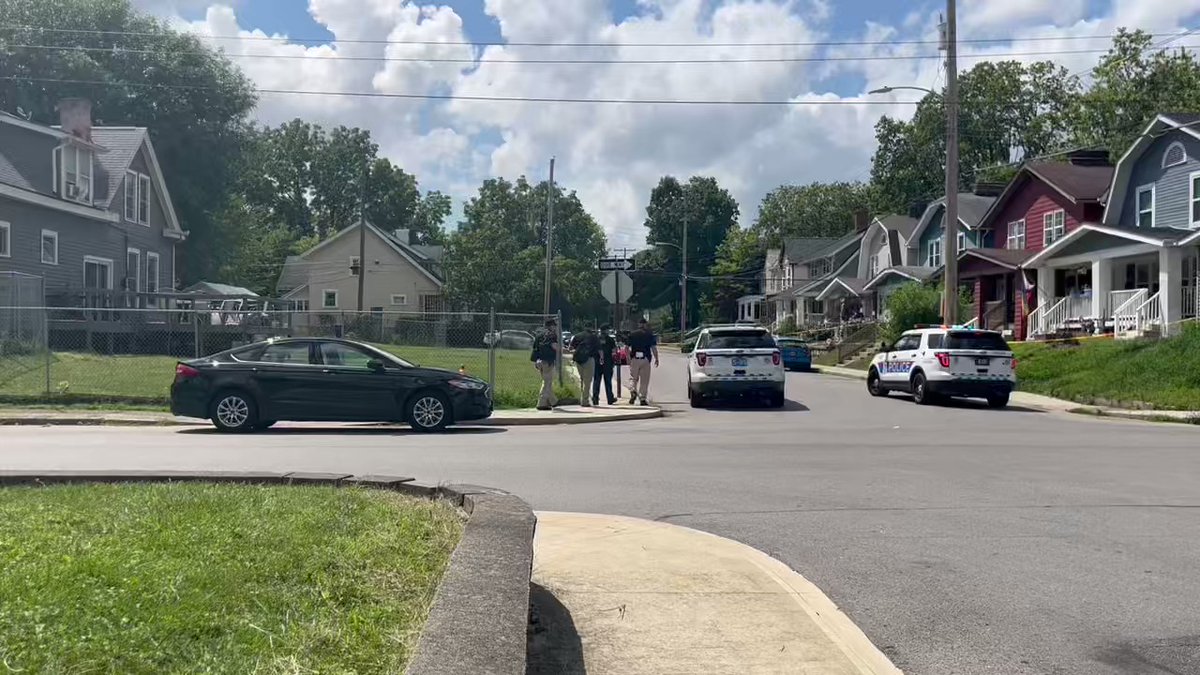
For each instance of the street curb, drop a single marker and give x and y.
(124, 421)
(480, 614)
(848, 373)
(1140, 416)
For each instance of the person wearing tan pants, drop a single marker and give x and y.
(642, 347)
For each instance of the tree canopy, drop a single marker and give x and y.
(813, 210)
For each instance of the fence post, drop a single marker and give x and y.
(492, 350)
(196, 332)
(46, 344)
(561, 346)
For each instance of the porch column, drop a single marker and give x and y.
(1170, 287)
(1102, 275)
(1045, 286)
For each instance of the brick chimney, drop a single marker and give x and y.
(862, 220)
(75, 117)
(1089, 158)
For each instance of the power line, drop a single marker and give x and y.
(467, 97)
(116, 50)
(504, 43)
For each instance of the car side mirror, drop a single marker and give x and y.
(375, 365)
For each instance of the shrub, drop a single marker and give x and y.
(909, 305)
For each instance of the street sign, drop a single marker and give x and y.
(610, 264)
(616, 287)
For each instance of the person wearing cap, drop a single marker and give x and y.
(643, 346)
(545, 358)
(604, 366)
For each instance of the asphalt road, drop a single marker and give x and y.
(961, 539)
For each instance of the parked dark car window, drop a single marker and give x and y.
(286, 352)
(977, 340)
(336, 354)
(740, 340)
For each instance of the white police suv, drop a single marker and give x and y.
(735, 360)
(945, 361)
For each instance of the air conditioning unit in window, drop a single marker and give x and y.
(74, 191)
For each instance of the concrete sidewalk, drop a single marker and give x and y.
(1051, 404)
(567, 414)
(650, 597)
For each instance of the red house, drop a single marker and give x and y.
(1044, 202)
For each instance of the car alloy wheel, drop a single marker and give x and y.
(428, 411)
(234, 411)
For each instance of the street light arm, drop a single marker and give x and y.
(888, 90)
(667, 243)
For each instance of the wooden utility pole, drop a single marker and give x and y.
(549, 237)
(950, 243)
(362, 238)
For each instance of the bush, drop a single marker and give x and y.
(787, 326)
(909, 305)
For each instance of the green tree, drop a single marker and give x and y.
(709, 212)
(740, 258)
(345, 159)
(1008, 111)
(813, 210)
(497, 256)
(1131, 84)
(137, 71)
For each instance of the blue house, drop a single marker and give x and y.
(1138, 268)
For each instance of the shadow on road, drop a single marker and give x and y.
(755, 406)
(352, 430)
(552, 644)
(965, 404)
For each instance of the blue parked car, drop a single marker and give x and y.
(796, 355)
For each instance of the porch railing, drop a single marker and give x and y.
(1049, 316)
(1148, 314)
(1189, 302)
(1126, 305)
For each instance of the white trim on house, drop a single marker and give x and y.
(1120, 182)
(884, 274)
(1011, 238)
(164, 196)
(97, 260)
(6, 238)
(1193, 199)
(1167, 154)
(837, 282)
(1137, 204)
(58, 204)
(325, 298)
(42, 247)
(135, 268)
(1054, 226)
(294, 291)
(1080, 231)
(141, 191)
(402, 301)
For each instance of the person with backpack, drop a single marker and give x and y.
(604, 366)
(545, 358)
(587, 353)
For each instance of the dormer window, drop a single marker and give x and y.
(137, 197)
(73, 173)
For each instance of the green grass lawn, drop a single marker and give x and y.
(1162, 373)
(195, 577)
(145, 381)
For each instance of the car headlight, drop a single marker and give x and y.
(469, 385)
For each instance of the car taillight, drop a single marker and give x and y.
(184, 371)
(775, 358)
(701, 359)
(943, 359)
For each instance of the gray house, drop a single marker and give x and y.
(85, 208)
(1137, 270)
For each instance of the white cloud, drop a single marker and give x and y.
(614, 154)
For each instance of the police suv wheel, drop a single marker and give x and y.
(920, 390)
(874, 385)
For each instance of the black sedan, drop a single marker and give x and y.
(322, 380)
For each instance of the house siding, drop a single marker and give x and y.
(77, 237)
(1032, 203)
(936, 230)
(1171, 207)
(388, 273)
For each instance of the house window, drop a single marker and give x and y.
(143, 213)
(962, 241)
(399, 299)
(5, 240)
(152, 273)
(299, 305)
(1194, 197)
(329, 299)
(873, 267)
(73, 173)
(1016, 235)
(354, 264)
(1145, 206)
(133, 270)
(137, 197)
(1054, 226)
(49, 247)
(934, 257)
(97, 273)
(1174, 155)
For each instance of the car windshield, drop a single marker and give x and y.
(740, 340)
(976, 340)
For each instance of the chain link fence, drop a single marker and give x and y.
(23, 352)
(128, 355)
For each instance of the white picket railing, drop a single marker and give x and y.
(1126, 305)
(1189, 302)
(1148, 314)
(1046, 318)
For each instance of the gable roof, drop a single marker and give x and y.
(801, 248)
(1155, 237)
(1188, 123)
(292, 275)
(851, 285)
(908, 272)
(1004, 257)
(1078, 183)
(971, 210)
(123, 144)
(834, 246)
(902, 225)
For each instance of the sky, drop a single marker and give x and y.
(613, 154)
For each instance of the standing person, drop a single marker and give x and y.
(587, 353)
(643, 345)
(544, 358)
(604, 366)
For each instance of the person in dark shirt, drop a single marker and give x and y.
(643, 345)
(586, 355)
(544, 358)
(604, 366)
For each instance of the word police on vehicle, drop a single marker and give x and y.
(934, 362)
